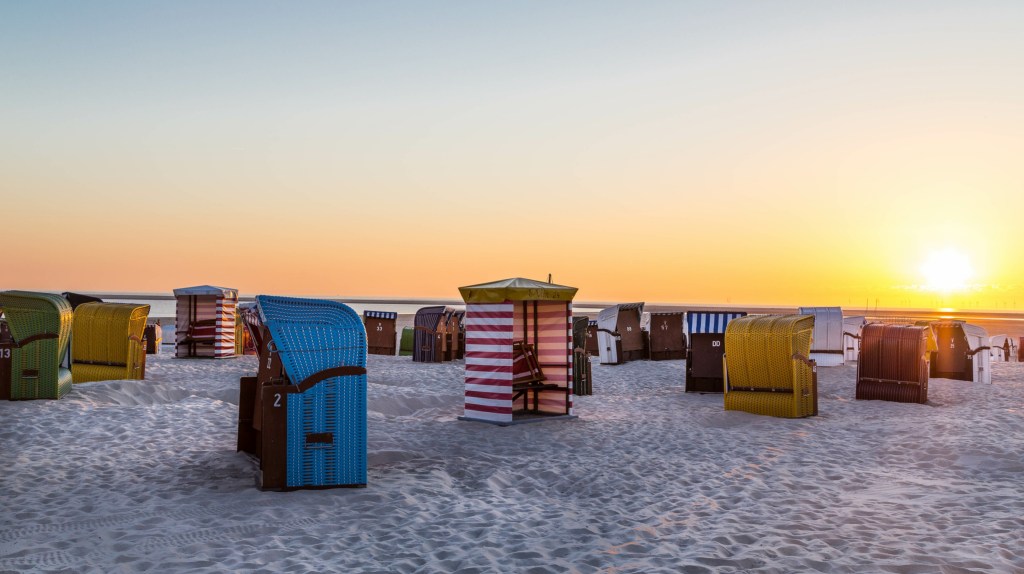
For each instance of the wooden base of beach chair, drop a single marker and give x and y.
(674, 355)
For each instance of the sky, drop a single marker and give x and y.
(782, 153)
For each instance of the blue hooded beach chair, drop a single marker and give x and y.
(304, 414)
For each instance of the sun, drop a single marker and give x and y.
(946, 271)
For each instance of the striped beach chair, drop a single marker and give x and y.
(40, 324)
(304, 414)
(766, 365)
(380, 331)
(518, 344)
(592, 346)
(705, 339)
(205, 322)
(429, 337)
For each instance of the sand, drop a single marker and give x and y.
(136, 476)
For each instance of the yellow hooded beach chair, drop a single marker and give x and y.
(766, 366)
(107, 343)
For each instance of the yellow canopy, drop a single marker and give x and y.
(516, 289)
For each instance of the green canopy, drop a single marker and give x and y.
(516, 289)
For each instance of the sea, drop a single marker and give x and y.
(162, 306)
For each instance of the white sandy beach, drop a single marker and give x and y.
(136, 476)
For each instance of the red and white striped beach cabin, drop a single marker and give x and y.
(501, 313)
(205, 322)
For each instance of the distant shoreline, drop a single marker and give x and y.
(656, 307)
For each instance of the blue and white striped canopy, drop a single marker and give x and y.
(710, 321)
(380, 314)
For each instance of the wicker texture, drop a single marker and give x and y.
(108, 342)
(35, 366)
(406, 345)
(893, 363)
(310, 336)
(766, 366)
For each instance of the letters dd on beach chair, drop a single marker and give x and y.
(40, 329)
(893, 363)
(380, 332)
(205, 322)
(767, 371)
(619, 337)
(108, 344)
(705, 335)
(518, 346)
(304, 414)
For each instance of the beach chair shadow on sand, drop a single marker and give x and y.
(303, 416)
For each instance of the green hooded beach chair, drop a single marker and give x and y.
(41, 326)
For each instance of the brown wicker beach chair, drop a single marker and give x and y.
(893, 363)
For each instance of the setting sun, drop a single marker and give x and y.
(946, 271)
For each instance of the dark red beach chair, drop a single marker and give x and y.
(893, 363)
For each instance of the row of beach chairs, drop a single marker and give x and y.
(302, 414)
(49, 341)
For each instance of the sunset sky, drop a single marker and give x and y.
(703, 152)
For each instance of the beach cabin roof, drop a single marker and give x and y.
(516, 289)
(207, 290)
(702, 322)
(828, 327)
(853, 325)
(979, 335)
(608, 318)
